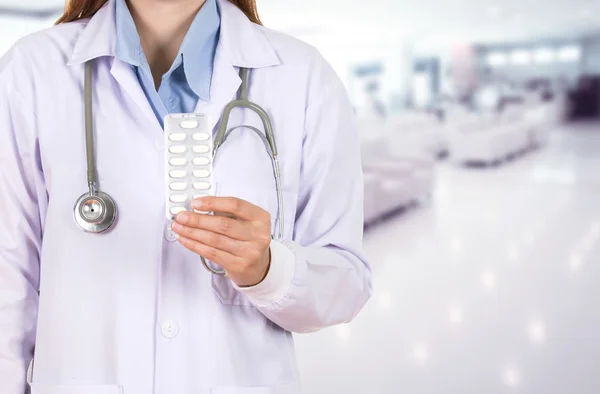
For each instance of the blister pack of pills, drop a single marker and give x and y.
(188, 161)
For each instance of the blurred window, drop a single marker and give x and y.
(544, 55)
(569, 54)
(520, 57)
(496, 59)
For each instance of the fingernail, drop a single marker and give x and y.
(176, 227)
(196, 204)
(183, 217)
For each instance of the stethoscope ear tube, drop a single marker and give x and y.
(268, 139)
(221, 272)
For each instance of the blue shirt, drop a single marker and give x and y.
(189, 78)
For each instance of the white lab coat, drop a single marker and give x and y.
(131, 311)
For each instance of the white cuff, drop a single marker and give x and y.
(278, 280)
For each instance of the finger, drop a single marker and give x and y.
(237, 207)
(233, 228)
(225, 260)
(216, 240)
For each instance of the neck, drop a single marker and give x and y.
(162, 26)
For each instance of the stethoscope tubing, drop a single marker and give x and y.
(96, 212)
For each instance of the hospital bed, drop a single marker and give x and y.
(490, 137)
(396, 176)
(421, 131)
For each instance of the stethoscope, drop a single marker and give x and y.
(96, 212)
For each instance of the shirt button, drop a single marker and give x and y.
(170, 329)
(169, 234)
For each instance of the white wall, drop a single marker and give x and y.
(346, 51)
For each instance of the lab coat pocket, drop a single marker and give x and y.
(75, 389)
(265, 198)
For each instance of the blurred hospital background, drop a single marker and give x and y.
(481, 153)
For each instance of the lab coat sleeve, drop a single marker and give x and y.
(322, 278)
(21, 191)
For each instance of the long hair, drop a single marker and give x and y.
(80, 9)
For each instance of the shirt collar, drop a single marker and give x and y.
(240, 41)
(128, 47)
(197, 50)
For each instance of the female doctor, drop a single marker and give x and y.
(133, 310)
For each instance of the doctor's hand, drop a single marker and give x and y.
(239, 242)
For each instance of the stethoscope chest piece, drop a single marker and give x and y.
(95, 212)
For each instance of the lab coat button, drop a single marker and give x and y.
(169, 234)
(170, 329)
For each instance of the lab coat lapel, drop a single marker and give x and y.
(97, 40)
(224, 86)
(243, 41)
(241, 44)
(125, 76)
